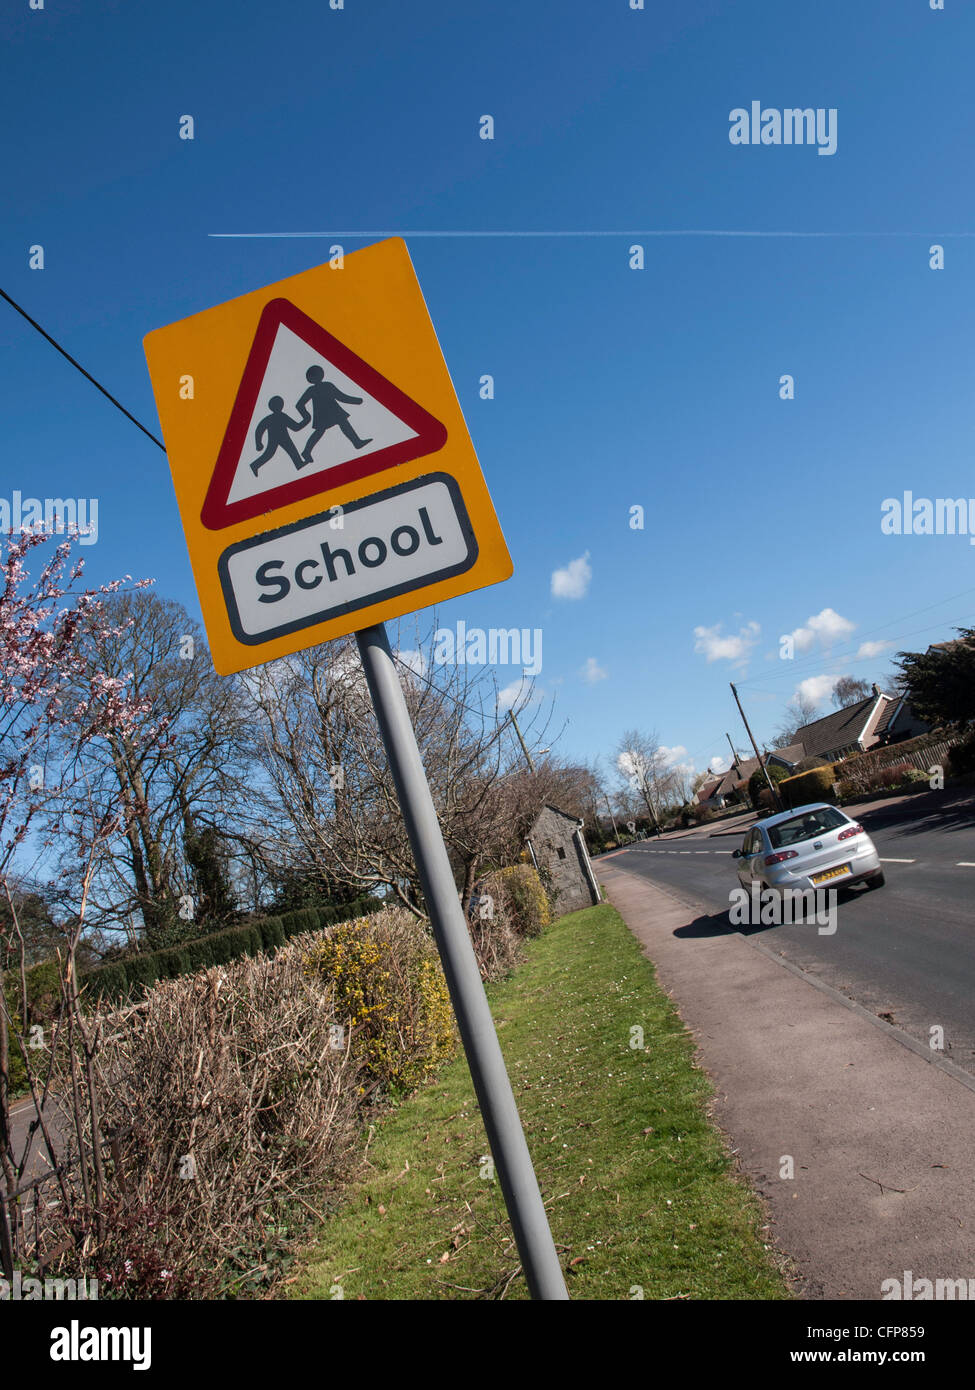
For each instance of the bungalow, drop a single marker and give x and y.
(851, 730)
(707, 792)
(734, 784)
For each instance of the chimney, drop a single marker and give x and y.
(875, 688)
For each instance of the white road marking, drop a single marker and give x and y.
(898, 861)
(964, 864)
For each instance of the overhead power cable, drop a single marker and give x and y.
(88, 376)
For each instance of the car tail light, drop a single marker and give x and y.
(785, 854)
(848, 834)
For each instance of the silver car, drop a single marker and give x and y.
(812, 846)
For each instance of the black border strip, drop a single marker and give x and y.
(325, 614)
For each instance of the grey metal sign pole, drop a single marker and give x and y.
(495, 1097)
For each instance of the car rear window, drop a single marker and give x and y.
(806, 826)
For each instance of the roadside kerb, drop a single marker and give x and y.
(879, 1137)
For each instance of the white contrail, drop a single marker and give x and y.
(687, 231)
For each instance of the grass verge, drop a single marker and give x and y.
(642, 1197)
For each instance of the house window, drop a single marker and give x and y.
(561, 852)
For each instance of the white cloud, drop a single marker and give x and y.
(719, 764)
(712, 644)
(628, 765)
(816, 688)
(826, 627)
(686, 771)
(869, 649)
(593, 672)
(415, 660)
(573, 581)
(669, 756)
(510, 693)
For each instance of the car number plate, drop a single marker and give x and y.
(830, 873)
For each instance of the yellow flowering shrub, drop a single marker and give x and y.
(522, 898)
(389, 990)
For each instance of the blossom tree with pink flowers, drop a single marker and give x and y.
(46, 727)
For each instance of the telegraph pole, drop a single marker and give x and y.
(524, 748)
(775, 795)
(734, 751)
(612, 817)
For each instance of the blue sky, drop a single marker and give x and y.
(614, 387)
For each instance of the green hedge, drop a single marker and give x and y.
(120, 977)
(804, 787)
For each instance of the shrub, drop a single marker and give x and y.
(757, 783)
(233, 1071)
(961, 759)
(387, 986)
(495, 943)
(171, 963)
(880, 780)
(137, 1256)
(521, 899)
(272, 933)
(118, 978)
(805, 787)
(914, 777)
(897, 773)
(142, 970)
(300, 920)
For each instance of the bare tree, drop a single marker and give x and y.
(183, 791)
(849, 690)
(48, 719)
(640, 760)
(799, 711)
(332, 795)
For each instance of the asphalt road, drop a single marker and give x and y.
(906, 951)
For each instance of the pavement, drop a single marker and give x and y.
(878, 1127)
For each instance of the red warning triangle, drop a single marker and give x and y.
(309, 416)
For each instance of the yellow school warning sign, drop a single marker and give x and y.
(324, 472)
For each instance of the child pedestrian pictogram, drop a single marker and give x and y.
(299, 378)
(276, 426)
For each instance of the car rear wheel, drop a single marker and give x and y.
(877, 881)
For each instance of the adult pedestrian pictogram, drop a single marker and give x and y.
(325, 397)
(299, 377)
